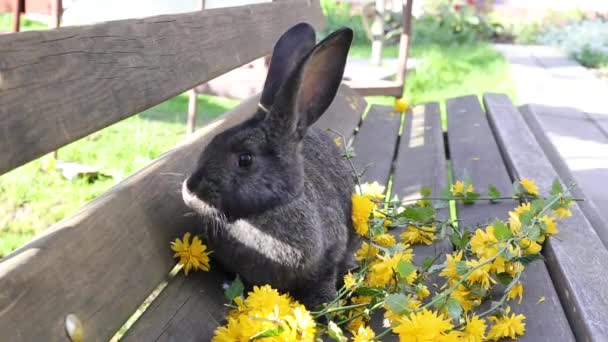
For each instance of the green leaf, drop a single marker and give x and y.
(454, 308)
(461, 267)
(470, 198)
(526, 218)
(504, 278)
(460, 242)
(537, 205)
(335, 333)
(419, 214)
(426, 191)
(428, 262)
(405, 268)
(235, 289)
(270, 332)
(527, 259)
(556, 188)
(493, 193)
(368, 291)
(534, 233)
(501, 231)
(397, 302)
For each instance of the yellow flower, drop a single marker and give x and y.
(268, 299)
(462, 295)
(338, 141)
(362, 209)
(480, 275)
(514, 223)
(356, 323)
(423, 234)
(349, 281)
(563, 212)
(422, 291)
(400, 105)
(385, 240)
(191, 255)
(450, 270)
(474, 330)
(458, 188)
(382, 272)
(506, 326)
(516, 291)
(265, 309)
(373, 190)
(549, 225)
(484, 243)
(363, 334)
(513, 268)
(366, 251)
(422, 326)
(529, 186)
(529, 246)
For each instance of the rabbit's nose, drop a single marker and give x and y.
(192, 183)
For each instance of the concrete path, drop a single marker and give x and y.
(579, 127)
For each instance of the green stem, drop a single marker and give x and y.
(342, 308)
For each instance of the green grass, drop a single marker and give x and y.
(445, 72)
(6, 23)
(31, 198)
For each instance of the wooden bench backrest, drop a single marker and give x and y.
(57, 86)
(60, 85)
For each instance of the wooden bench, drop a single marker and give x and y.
(103, 262)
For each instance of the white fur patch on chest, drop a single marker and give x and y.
(270, 246)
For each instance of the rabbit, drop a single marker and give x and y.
(274, 192)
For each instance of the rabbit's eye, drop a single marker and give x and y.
(245, 159)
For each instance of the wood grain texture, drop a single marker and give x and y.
(421, 162)
(375, 144)
(373, 87)
(475, 154)
(576, 258)
(57, 86)
(552, 124)
(190, 309)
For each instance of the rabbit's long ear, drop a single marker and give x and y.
(289, 50)
(312, 86)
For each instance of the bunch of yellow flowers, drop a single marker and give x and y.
(485, 263)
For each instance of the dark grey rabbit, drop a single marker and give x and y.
(275, 193)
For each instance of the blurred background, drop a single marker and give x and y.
(543, 51)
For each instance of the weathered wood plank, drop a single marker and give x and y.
(372, 87)
(475, 154)
(576, 258)
(60, 85)
(190, 309)
(578, 150)
(420, 162)
(375, 143)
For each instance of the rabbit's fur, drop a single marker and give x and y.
(283, 220)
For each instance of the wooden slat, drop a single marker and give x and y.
(376, 87)
(475, 154)
(420, 162)
(586, 143)
(60, 85)
(375, 143)
(190, 309)
(576, 258)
